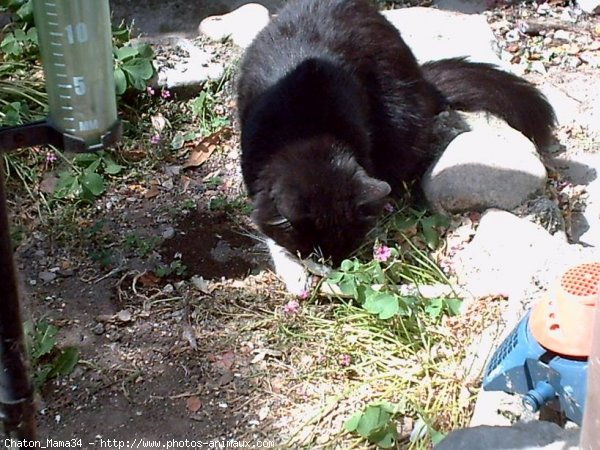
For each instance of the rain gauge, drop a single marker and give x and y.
(76, 48)
(76, 51)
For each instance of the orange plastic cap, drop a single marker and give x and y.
(562, 321)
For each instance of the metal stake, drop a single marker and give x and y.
(16, 392)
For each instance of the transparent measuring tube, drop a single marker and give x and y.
(76, 49)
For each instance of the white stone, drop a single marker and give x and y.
(488, 265)
(446, 35)
(241, 25)
(492, 166)
(192, 71)
(589, 6)
(582, 169)
(562, 35)
(522, 436)
(565, 107)
(462, 6)
(511, 256)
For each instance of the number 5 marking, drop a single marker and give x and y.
(79, 85)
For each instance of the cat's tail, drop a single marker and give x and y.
(470, 86)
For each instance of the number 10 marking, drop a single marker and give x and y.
(77, 33)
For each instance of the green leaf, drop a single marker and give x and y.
(197, 105)
(25, 12)
(20, 35)
(120, 82)
(453, 306)
(352, 423)
(178, 141)
(10, 45)
(93, 167)
(139, 69)
(64, 362)
(68, 184)
(111, 167)
(93, 182)
(383, 304)
(44, 340)
(135, 82)
(405, 223)
(384, 437)
(85, 159)
(126, 53)
(348, 286)
(32, 35)
(434, 307)
(121, 34)
(372, 418)
(145, 51)
(348, 265)
(437, 437)
(41, 375)
(375, 423)
(431, 235)
(334, 277)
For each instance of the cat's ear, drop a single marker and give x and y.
(372, 190)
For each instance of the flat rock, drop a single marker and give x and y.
(241, 25)
(522, 436)
(488, 264)
(448, 34)
(188, 74)
(582, 170)
(514, 257)
(589, 6)
(47, 277)
(567, 108)
(491, 166)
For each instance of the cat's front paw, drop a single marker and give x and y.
(297, 283)
(290, 270)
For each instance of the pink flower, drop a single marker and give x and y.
(50, 157)
(165, 94)
(304, 294)
(382, 253)
(291, 307)
(150, 91)
(345, 360)
(155, 139)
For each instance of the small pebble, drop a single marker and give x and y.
(168, 233)
(562, 35)
(512, 36)
(47, 277)
(98, 329)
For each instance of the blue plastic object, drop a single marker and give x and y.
(521, 366)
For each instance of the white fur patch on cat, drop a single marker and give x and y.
(290, 269)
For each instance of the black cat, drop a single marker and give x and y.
(336, 114)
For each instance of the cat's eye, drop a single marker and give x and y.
(279, 222)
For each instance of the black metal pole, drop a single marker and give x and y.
(17, 410)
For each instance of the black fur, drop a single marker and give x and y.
(335, 112)
(472, 86)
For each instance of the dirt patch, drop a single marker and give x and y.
(212, 246)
